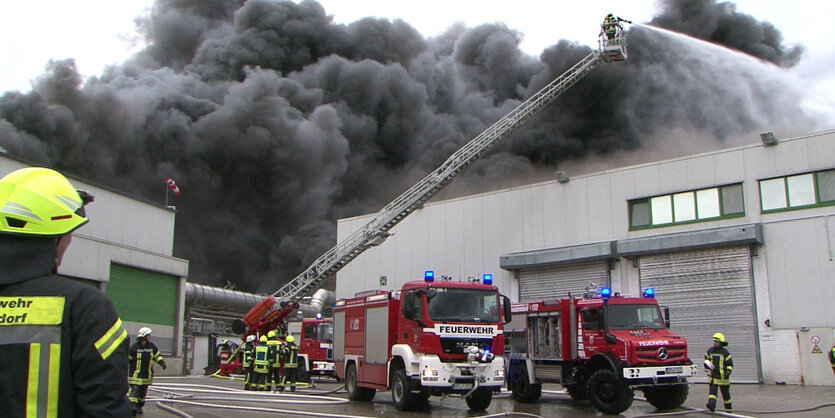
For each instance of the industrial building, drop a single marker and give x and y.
(739, 241)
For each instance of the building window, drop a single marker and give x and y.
(687, 207)
(798, 191)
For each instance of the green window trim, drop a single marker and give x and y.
(816, 189)
(695, 210)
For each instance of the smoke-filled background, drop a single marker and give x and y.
(275, 121)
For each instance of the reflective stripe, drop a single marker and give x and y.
(42, 384)
(32, 384)
(111, 339)
(49, 334)
(54, 375)
(31, 310)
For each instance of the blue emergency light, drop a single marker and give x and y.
(318, 315)
(649, 292)
(429, 276)
(606, 293)
(487, 279)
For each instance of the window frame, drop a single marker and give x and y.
(816, 189)
(720, 198)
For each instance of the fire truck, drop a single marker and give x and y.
(316, 346)
(431, 338)
(600, 347)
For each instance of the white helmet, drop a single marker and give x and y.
(144, 332)
(250, 338)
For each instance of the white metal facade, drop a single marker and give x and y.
(792, 268)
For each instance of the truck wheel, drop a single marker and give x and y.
(356, 393)
(401, 394)
(667, 397)
(608, 393)
(578, 392)
(480, 399)
(523, 390)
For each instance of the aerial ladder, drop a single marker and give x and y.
(611, 48)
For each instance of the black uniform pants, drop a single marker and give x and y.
(276, 375)
(261, 380)
(726, 396)
(290, 375)
(137, 395)
(249, 376)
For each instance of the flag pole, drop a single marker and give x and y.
(166, 195)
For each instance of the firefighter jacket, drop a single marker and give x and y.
(140, 355)
(248, 354)
(291, 355)
(263, 360)
(276, 351)
(63, 350)
(723, 365)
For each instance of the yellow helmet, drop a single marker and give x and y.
(719, 337)
(271, 334)
(42, 202)
(290, 339)
(263, 339)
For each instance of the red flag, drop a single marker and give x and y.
(173, 186)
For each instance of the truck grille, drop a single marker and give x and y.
(650, 355)
(458, 345)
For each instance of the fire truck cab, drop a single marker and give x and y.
(601, 347)
(431, 338)
(316, 346)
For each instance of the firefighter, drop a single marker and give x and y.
(275, 372)
(610, 26)
(261, 364)
(291, 363)
(63, 349)
(832, 358)
(248, 354)
(140, 355)
(718, 365)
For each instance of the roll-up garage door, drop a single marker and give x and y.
(709, 291)
(557, 281)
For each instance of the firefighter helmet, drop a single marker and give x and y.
(290, 339)
(263, 339)
(250, 338)
(271, 334)
(40, 201)
(719, 337)
(144, 332)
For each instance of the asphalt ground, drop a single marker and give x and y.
(206, 396)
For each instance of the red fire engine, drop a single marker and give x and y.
(431, 338)
(316, 346)
(600, 347)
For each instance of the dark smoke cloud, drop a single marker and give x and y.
(275, 121)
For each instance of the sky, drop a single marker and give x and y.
(97, 33)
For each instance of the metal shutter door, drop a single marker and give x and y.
(553, 282)
(709, 291)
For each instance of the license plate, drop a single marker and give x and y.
(674, 370)
(461, 386)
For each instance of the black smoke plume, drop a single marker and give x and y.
(275, 121)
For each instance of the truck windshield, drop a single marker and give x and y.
(464, 305)
(635, 317)
(325, 331)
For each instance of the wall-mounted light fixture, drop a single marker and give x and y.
(561, 177)
(768, 139)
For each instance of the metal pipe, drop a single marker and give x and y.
(231, 300)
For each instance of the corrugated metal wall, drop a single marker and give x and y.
(145, 298)
(557, 281)
(707, 292)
